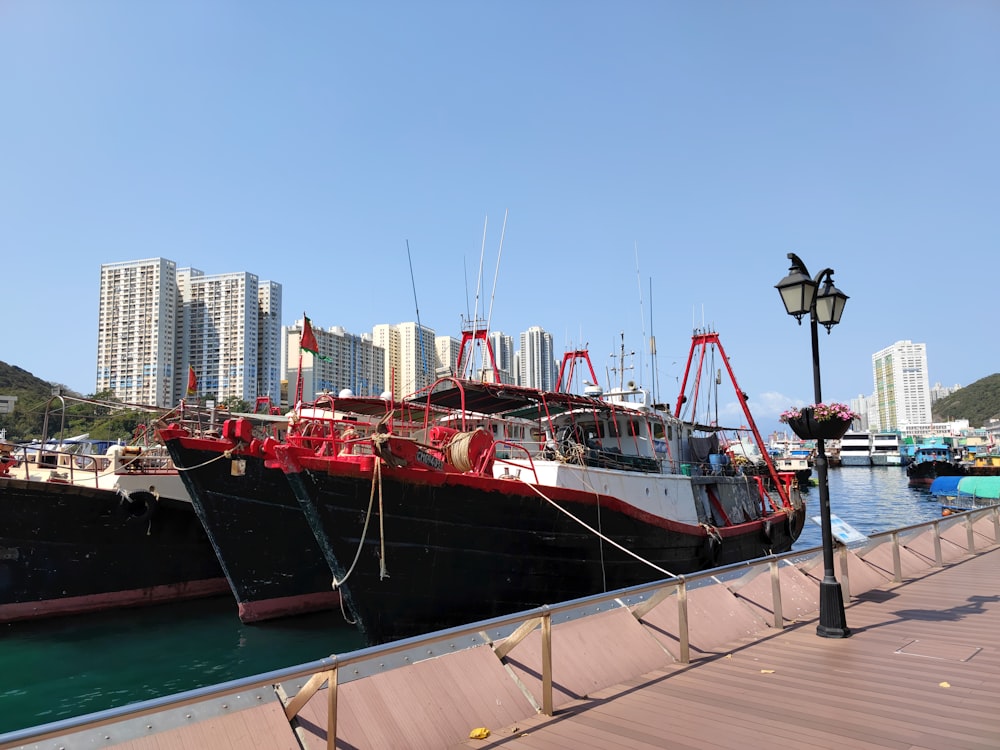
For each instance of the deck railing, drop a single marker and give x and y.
(502, 634)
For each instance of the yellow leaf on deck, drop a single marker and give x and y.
(944, 684)
(767, 671)
(480, 733)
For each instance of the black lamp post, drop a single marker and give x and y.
(823, 304)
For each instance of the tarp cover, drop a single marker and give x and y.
(703, 447)
(985, 487)
(946, 486)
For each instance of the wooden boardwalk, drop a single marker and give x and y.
(920, 672)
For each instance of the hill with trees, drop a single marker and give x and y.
(97, 416)
(978, 402)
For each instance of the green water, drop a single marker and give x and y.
(65, 667)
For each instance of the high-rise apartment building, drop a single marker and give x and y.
(446, 350)
(902, 394)
(157, 321)
(136, 331)
(409, 356)
(537, 364)
(503, 352)
(346, 361)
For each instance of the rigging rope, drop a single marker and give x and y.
(224, 454)
(594, 531)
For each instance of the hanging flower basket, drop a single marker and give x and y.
(807, 426)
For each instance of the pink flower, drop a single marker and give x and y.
(822, 413)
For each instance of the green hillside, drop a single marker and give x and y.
(28, 417)
(978, 402)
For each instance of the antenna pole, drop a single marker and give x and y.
(642, 321)
(496, 274)
(420, 328)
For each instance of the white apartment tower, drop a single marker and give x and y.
(156, 321)
(221, 332)
(346, 361)
(409, 357)
(503, 351)
(446, 350)
(902, 392)
(137, 331)
(269, 370)
(537, 365)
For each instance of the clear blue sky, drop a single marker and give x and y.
(657, 160)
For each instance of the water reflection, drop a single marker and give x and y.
(871, 499)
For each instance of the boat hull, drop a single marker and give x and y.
(924, 473)
(849, 460)
(458, 548)
(67, 549)
(270, 558)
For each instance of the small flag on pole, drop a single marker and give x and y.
(307, 342)
(192, 388)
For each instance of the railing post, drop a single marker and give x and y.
(845, 578)
(996, 525)
(331, 710)
(938, 559)
(547, 664)
(683, 636)
(897, 564)
(970, 535)
(779, 617)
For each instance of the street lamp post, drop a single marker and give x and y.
(803, 295)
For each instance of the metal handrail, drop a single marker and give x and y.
(640, 600)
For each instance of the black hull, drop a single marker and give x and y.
(924, 473)
(459, 550)
(66, 550)
(268, 553)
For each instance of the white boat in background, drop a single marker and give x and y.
(886, 449)
(856, 449)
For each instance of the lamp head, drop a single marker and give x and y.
(798, 291)
(829, 302)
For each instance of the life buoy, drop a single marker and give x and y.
(140, 505)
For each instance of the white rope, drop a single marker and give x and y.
(376, 477)
(599, 534)
(224, 454)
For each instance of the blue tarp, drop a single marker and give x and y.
(946, 486)
(967, 487)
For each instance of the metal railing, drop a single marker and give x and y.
(505, 633)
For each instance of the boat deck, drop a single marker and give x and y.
(920, 672)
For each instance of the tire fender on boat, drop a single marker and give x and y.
(711, 548)
(140, 505)
(772, 528)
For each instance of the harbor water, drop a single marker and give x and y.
(63, 667)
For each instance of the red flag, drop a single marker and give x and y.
(308, 339)
(308, 343)
(192, 381)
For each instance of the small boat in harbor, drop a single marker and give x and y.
(933, 460)
(511, 497)
(960, 493)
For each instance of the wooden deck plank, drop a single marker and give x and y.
(921, 670)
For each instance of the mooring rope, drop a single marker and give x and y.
(599, 534)
(376, 481)
(224, 454)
